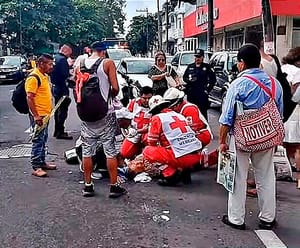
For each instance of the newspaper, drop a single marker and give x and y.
(226, 170)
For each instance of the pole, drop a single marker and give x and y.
(159, 26)
(20, 20)
(268, 31)
(210, 29)
(147, 37)
(167, 26)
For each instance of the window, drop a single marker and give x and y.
(201, 3)
(296, 32)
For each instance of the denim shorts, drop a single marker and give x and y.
(101, 132)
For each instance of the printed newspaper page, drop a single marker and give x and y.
(226, 170)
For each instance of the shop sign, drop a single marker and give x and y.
(202, 17)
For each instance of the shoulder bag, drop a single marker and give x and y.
(259, 129)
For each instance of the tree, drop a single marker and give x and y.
(36, 24)
(137, 35)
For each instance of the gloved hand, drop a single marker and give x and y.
(131, 132)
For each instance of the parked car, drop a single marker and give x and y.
(12, 68)
(225, 66)
(182, 59)
(132, 74)
(116, 54)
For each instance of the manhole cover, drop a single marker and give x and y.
(17, 151)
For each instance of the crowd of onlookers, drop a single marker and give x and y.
(166, 129)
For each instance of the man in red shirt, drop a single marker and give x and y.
(192, 114)
(137, 135)
(171, 141)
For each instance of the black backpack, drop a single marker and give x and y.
(19, 96)
(91, 106)
(288, 104)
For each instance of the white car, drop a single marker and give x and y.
(182, 59)
(132, 74)
(116, 54)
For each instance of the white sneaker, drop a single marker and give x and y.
(96, 175)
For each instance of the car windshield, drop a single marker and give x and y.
(139, 66)
(118, 54)
(187, 58)
(11, 61)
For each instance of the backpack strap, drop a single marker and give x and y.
(267, 90)
(36, 77)
(95, 66)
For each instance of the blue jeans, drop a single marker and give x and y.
(38, 152)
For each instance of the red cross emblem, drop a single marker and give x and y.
(178, 124)
(156, 100)
(139, 120)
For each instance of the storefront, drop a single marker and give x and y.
(232, 19)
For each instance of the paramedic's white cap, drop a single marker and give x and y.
(124, 113)
(173, 94)
(155, 102)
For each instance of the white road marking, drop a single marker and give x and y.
(270, 239)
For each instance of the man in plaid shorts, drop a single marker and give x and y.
(104, 130)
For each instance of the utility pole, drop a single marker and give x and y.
(147, 27)
(210, 29)
(20, 20)
(268, 30)
(167, 26)
(159, 26)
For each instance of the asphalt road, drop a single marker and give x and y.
(51, 212)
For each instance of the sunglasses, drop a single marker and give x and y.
(161, 60)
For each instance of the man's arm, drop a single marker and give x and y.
(31, 104)
(224, 130)
(110, 70)
(154, 131)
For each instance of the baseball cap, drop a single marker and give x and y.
(98, 46)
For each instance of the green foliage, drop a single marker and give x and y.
(137, 35)
(43, 22)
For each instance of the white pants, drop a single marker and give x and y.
(265, 184)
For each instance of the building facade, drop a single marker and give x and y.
(233, 19)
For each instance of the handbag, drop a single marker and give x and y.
(259, 129)
(171, 81)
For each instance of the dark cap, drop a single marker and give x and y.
(199, 52)
(98, 46)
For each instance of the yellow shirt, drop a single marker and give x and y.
(43, 96)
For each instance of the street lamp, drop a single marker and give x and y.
(147, 33)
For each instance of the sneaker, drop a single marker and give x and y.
(116, 191)
(39, 173)
(96, 175)
(88, 190)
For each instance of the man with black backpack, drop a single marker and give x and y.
(96, 85)
(39, 100)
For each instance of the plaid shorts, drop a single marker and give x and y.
(103, 132)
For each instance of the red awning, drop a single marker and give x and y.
(285, 7)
